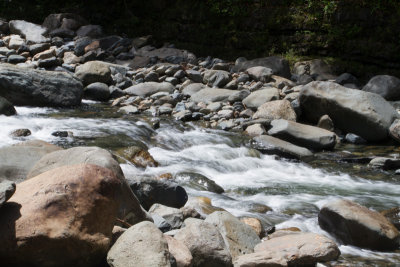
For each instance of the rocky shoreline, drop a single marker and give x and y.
(52, 198)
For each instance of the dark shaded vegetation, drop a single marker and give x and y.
(345, 31)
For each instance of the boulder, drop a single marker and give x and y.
(274, 146)
(255, 130)
(198, 182)
(6, 108)
(17, 160)
(23, 86)
(259, 97)
(365, 114)
(202, 205)
(141, 245)
(97, 91)
(172, 215)
(68, 212)
(209, 95)
(384, 85)
(193, 88)
(136, 155)
(149, 88)
(274, 110)
(259, 73)
(303, 135)
(33, 33)
(393, 215)
(278, 65)
(316, 68)
(7, 189)
(325, 122)
(129, 210)
(63, 20)
(205, 244)
(93, 71)
(303, 249)
(179, 251)
(394, 130)
(356, 225)
(239, 237)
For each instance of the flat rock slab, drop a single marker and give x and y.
(31, 32)
(29, 87)
(209, 95)
(149, 88)
(356, 225)
(259, 97)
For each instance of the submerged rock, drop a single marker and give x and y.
(199, 182)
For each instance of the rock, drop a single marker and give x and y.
(354, 139)
(194, 75)
(274, 146)
(394, 130)
(6, 108)
(15, 42)
(49, 53)
(205, 244)
(93, 31)
(7, 189)
(238, 96)
(179, 251)
(325, 122)
(141, 245)
(31, 32)
(49, 62)
(255, 130)
(238, 236)
(138, 156)
(193, 88)
(80, 45)
(59, 211)
(149, 88)
(274, 110)
(303, 135)
(15, 59)
(129, 110)
(150, 191)
(255, 224)
(317, 68)
(17, 160)
(116, 233)
(4, 28)
(384, 85)
(216, 78)
(278, 65)
(259, 97)
(202, 205)
(356, 225)
(21, 133)
(129, 210)
(393, 216)
(71, 58)
(305, 249)
(31, 87)
(346, 78)
(171, 55)
(97, 91)
(385, 163)
(93, 71)
(63, 33)
(259, 73)
(199, 182)
(365, 114)
(64, 20)
(209, 95)
(172, 215)
(161, 223)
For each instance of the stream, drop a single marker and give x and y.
(295, 191)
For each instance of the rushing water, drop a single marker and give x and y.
(295, 191)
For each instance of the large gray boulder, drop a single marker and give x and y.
(384, 85)
(209, 95)
(23, 86)
(356, 225)
(141, 245)
(274, 110)
(302, 249)
(259, 73)
(7, 189)
(33, 33)
(316, 68)
(129, 209)
(278, 65)
(17, 160)
(362, 113)
(238, 236)
(6, 108)
(273, 146)
(311, 137)
(149, 88)
(205, 243)
(94, 71)
(259, 97)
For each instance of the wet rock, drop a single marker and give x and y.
(365, 114)
(259, 97)
(292, 250)
(274, 146)
(49, 62)
(179, 251)
(356, 225)
(172, 215)
(209, 95)
(184, 115)
(259, 73)
(325, 122)
(149, 88)
(138, 156)
(274, 110)
(354, 139)
(97, 91)
(21, 133)
(141, 245)
(6, 108)
(31, 32)
(205, 244)
(278, 65)
(303, 135)
(385, 163)
(393, 215)
(93, 71)
(61, 133)
(239, 237)
(7, 189)
(59, 211)
(151, 191)
(384, 85)
(199, 182)
(39, 88)
(394, 130)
